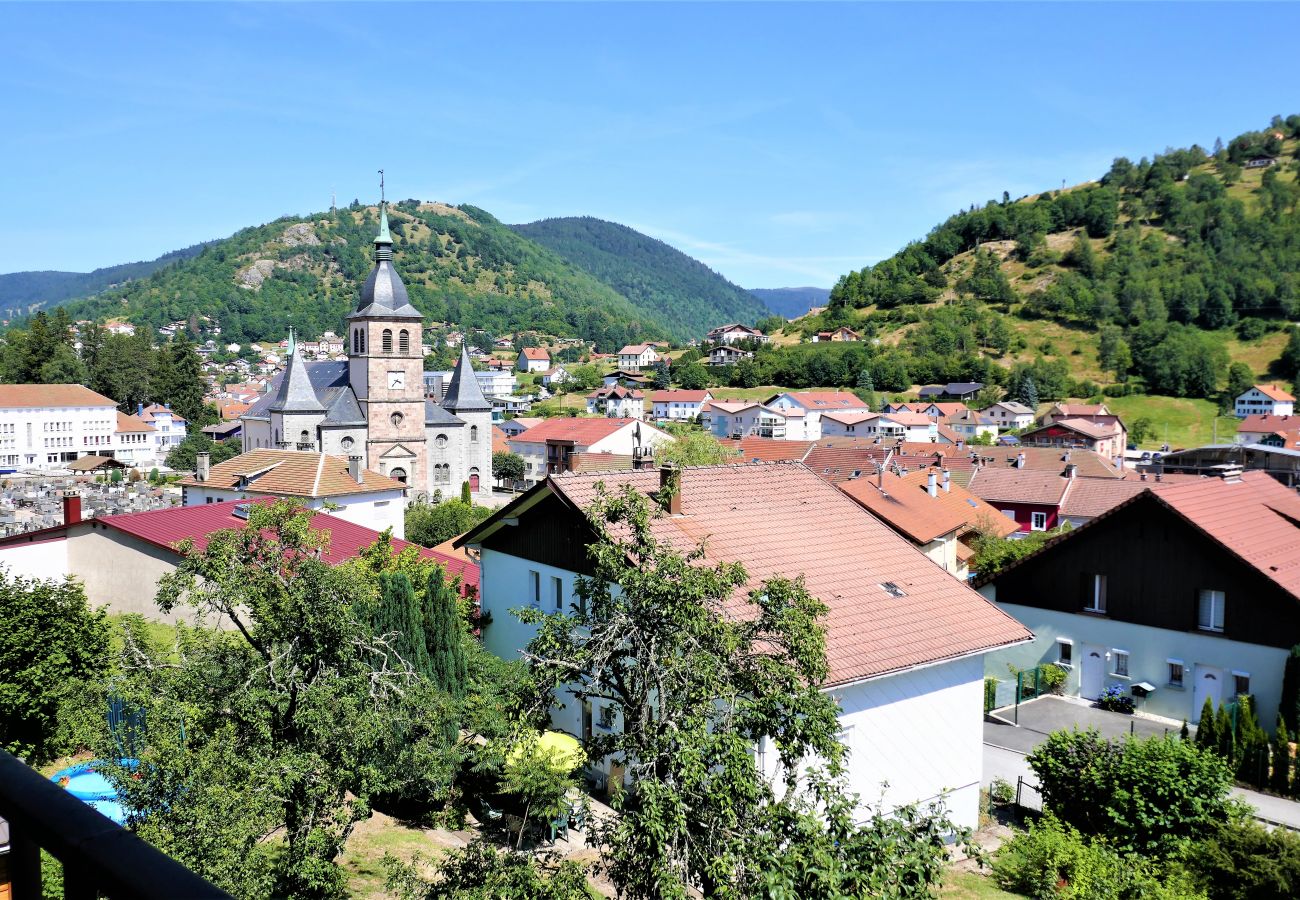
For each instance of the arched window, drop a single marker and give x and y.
(304, 437)
(403, 342)
(395, 418)
(398, 474)
(356, 340)
(473, 434)
(388, 340)
(473, 480)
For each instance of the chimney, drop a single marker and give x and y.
(1144, 476)
(670, 489)
(71, 507)
(1069, 470)
(931, 484)
(202, 465)
(947, 481)
(1158, 476)
(139, 409)
(355, 471)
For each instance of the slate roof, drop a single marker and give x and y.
(904, 503)
(384, 295)
(166, 528)
(292, 473)
(36, 396)
(464, 393)
(296, 393)
(781, 520)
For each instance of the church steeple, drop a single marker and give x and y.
(383, 296)
(464, 393)
(383, 240)
(296, 393)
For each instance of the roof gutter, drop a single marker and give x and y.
(927, 665)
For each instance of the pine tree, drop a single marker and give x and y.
(1207, 735)
(398, 617)
(443, 636)
(1184, 732)
(865, 382)
(1252, 744)
(1280, 779)
(465, 495)
(1227, 736)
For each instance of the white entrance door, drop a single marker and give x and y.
(1208, 682)
(1092, 675)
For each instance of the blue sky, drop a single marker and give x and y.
(781, 144)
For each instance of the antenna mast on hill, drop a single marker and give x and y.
(334, 201)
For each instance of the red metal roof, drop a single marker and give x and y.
(166, 528)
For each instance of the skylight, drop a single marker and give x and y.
(893, 590)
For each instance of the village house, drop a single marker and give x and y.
(1265, 399)
(568, 444)
(925, 507)
(907, 426)
(1270, 430)
(616, 402)
(678, 405)
(841, 334)
(852, 423)
(635, 357)
(119, 559)
(518, 425)
(804, 409)
(940, 410)
(1009, 415)
(1209, 610)
(556, 376)
(726, 355)
(533, 359)
(742, 418)
(905, 641)
(734, 334)
(964, 391)
(972, 425)
(1095, 413)
(169, 429)
(1076, 433)
(339, 486)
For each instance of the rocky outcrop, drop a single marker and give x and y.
(300, 235)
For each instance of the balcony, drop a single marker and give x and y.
(100, 858)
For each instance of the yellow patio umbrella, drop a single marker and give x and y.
(563, 749)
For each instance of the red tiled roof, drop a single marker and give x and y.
(781, 520)
(1081, 409)
(1019, 486)
(679, 396)
(36, 396)
(816, 400)
(909, 418)
(1093, 430)
(127, 423)
(535, 353)
(166, 528)
(293, 473)
(1273, 392)
(1091, 497)
(904, 502)
(500, 442)
(835, 464)
(851, 416)
(583, 432)
(158, 409)
(949, 409)
(1052, 459)
(633, 350)
(770, 449)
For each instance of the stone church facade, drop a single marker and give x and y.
(373, 405)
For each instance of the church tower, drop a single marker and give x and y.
(465, 399)
(386, 368)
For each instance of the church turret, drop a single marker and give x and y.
(465, 399)
(464, 393)
(296, 411)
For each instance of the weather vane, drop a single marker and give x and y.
(381, 185)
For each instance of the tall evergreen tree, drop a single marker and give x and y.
(1223, 725)
(1207, 734)
(1279, 780)
(397, 617)
(443, 636)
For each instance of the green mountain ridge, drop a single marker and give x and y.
(461, 265)
(792, 302)
(24, 293)
(689, 296)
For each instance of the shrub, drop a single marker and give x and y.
(1142, 795)
(1001, 791)
(1115, 699)
(1051, 678)
(1241, 860)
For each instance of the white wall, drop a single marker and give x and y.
(37, 559)
(29, 437)
(376, 510)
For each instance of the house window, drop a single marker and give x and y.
(388, 340)
(1009, 513)
(608, 715)
(1175, 672)
(1038, 521)
(1095, 593)
(557, 591)
(535, 587)
(1209, 610)
(1240, 682)
(1064, 652)
(1119, 663)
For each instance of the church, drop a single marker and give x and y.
(373, 404)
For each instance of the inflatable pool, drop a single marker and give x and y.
(88, 784)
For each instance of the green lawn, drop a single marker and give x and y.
(972, 886)
(1178, 421)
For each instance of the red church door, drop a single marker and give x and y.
(473, 480)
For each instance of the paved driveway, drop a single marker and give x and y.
(1005, 747)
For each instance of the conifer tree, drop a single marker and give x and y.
(1207, 735)
(1252, 745)
(1227, 736)
(465, 495)
(443, 634)
(1280, 779)
(398, 616)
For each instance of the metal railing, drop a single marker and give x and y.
(100, 858)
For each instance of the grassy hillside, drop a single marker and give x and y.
(1156, 276)
(23, 293)
(792, 302)
(460, 264)
(658, 279)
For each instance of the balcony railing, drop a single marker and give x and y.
(100, 858)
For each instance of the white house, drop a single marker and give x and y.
(726, 355)
(555, 376)
(533, 359)
(971, 425)
(561, 444)
(905, 640)
(1009, 414)
(734, 334)
(168, 428)
(1265, 399)
(804, 409)
(678, 406)
(741, 419)
(907, 426)
(46, 426)
(616, 402)
(853, 423)
(332, 484)
(635, 357)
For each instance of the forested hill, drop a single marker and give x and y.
(23, 293)
(685, 293)
(460, 264)
(1156, 276)
(792, 302)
